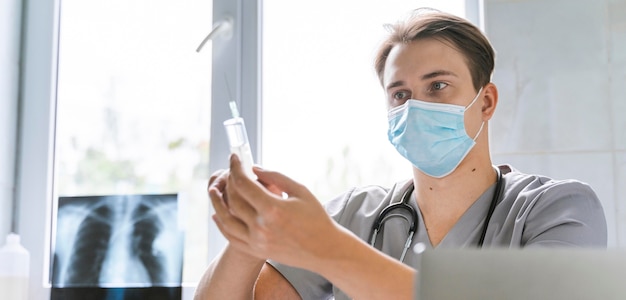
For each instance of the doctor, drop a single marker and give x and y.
(435, 69)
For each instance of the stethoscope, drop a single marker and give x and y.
(387, 214)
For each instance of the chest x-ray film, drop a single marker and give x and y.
(117, 243)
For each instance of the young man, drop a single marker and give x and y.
(435, 69)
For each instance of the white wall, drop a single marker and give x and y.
(10, 12)
(561, 74)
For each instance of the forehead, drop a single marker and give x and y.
(410, 62)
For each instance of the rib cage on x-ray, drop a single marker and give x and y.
(118, 241)
(90, 247)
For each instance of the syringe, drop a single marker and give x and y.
(238, 140)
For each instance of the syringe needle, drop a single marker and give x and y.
(233, 105)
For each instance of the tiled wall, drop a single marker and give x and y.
(561, 76)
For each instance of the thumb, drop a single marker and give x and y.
(278, 182)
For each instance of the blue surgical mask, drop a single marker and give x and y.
(430, 135)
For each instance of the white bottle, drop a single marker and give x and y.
(14, 264)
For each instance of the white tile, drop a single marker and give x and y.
(620, 194)
(618, 101)
(567, 112)
(617, 30)
(549, 34)
(551, 70)
(579, 111)
(525, 117)
(595, 169)
(501, 125)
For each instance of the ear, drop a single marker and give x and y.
(490, 101)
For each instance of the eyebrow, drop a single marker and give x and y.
(395, 84)
(424, 77)
(438, 73)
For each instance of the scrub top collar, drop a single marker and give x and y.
(466, 232)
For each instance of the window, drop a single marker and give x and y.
(324, 113)
(115, 100)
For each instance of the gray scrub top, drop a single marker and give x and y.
(534, 210)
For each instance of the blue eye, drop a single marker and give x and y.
(439, 85)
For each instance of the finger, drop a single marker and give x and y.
(242, 209)
(230, 224)
(241, 244)
(274, 189)
(217, 200)
(241, 186)
(218, 179)
(227, 234)
(279, 182)
(270, 187)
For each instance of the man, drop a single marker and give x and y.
(435, 69)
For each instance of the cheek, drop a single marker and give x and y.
(473, 121)
(391, 102)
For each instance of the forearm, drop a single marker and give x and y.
(231, 275)
(363, 272)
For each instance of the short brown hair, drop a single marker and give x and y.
(460, 33)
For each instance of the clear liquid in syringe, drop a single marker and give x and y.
(238, 140)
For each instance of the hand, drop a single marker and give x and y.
(257, 220)
(218, 180)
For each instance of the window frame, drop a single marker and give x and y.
(237, 58)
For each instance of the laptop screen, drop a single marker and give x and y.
(555, 274)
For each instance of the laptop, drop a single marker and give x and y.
(556, 274)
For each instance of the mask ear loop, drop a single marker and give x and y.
(475, 98)
(483, 123)
(479, 130)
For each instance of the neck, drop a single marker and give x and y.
(459, 189)
(443, 201)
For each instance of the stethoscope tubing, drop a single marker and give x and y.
(385, 215)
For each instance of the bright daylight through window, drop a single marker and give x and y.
(133, 116)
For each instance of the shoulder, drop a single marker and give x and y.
(536, 187)
(358, 207)
(565, 211)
